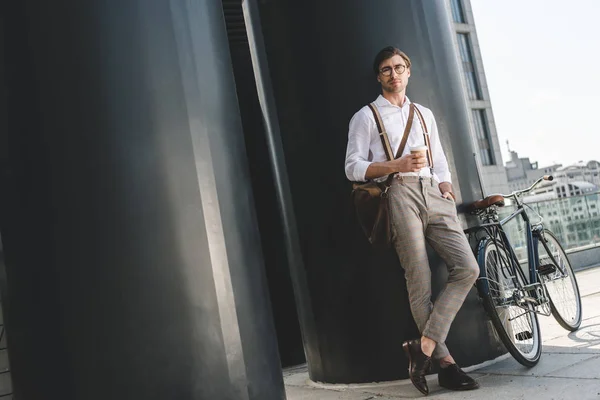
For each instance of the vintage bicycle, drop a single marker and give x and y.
(515, 292)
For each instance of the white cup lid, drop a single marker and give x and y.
(418, 148)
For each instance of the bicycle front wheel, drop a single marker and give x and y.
(513, 317)
(560, 282)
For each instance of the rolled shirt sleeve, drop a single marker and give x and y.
(359, 142)
(441, 171)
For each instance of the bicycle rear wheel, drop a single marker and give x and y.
(515, 320)
(560, 283)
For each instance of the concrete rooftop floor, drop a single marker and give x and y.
(569, 367)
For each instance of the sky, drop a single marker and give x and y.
(542, 64)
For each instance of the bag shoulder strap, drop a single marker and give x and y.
(425, 135)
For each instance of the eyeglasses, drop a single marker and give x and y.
(387, 71)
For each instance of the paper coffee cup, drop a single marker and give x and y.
(418, 149)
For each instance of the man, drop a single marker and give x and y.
(422, 210)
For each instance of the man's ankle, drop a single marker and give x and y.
(446, 362)
(427, 346)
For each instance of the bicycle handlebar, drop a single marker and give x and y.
(530, 188)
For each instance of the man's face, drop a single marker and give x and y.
(393, 74)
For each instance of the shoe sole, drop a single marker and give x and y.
(460, 388)
(407, 351)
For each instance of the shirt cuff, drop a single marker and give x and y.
(360, 170)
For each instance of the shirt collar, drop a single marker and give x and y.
(383, 102)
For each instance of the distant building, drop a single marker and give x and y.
(483, 127)
(522, 173)
(571, 180)
(569, 205)
(558, 190)
(580, 172)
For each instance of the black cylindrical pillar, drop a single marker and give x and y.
(270, 223)
(133, 261)
(313, 62)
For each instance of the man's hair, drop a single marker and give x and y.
(388, 52)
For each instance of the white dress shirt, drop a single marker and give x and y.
(365, 147)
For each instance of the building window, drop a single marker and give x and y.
(457, 11)
(466, 56)
(482, 133)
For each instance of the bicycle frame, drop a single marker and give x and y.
(531, 287)
(534, 234)
(495, 232)
(532, 242)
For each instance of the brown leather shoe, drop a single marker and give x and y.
(454, 378)
(418, 364)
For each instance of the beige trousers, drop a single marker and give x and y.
(420, 214)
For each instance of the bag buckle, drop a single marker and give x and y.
(384, 192)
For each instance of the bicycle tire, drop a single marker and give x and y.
(497, 287)
(565, 299)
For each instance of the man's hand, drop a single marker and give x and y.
(409, 163)
(446, 190)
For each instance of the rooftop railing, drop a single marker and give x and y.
(575, 220)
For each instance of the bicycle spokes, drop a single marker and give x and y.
(511, 305)
(560, 284)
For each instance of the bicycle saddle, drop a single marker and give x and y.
(493, 200)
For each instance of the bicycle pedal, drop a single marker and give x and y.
(546, 269)
(526, 335)
(528, 299)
